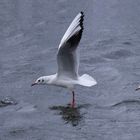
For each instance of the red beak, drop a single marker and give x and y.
(137, 89)
(33, 84)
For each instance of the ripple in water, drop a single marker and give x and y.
(127, 102)
(118, 54)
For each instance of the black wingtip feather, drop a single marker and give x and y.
(75, 39)
(82, 12)
(81, 23)
(81, 20)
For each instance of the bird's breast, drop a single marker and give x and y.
(65, 83)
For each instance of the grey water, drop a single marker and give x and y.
(30, 32)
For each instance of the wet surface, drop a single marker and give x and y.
(30, 32)
(69, 114)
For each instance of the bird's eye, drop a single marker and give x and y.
(38, 80)
(42, 80)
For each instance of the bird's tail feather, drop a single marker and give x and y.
(87, 80)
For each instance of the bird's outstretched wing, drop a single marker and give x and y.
(67, 58)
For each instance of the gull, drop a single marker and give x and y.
(68, 63)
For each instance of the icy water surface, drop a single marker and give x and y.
(30, 32)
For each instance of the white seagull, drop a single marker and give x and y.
(68, 63)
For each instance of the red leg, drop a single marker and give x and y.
(73, 100)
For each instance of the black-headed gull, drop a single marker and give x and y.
(68, 63)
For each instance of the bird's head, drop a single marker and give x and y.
(40, 81)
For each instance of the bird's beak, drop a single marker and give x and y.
(137, 88)
(33, 84)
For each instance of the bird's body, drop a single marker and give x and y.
(62, 82)
(67, 82)
(67, 59)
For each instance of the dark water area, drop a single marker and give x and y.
(30, 32)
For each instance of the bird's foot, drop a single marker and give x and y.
(73, 104)
(73, 100)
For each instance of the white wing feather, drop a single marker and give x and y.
(67, 58)
(71, 29)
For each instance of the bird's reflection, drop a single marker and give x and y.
(69, 114)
